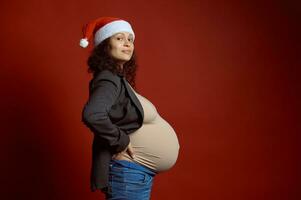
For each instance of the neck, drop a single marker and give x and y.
(120, 66)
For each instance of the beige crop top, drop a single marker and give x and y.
(155, 143)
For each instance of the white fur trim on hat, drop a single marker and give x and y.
(112, 28)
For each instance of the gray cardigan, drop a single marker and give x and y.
(112, 112)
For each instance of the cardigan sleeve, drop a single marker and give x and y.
(95, 116)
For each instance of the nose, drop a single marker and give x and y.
(127, 43)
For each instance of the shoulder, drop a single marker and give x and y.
(106, 75)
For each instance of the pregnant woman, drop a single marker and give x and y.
(132, 143)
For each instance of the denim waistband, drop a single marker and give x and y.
(133, 165)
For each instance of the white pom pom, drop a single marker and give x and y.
(84, 43)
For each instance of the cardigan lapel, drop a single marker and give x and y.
(133, 97)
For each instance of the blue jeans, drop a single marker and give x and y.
(129, 181)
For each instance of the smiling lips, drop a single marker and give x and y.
(126, 51)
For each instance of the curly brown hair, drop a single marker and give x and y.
(100, 59)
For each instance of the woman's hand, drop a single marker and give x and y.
(128, 150)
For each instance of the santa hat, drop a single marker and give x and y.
(103, 28)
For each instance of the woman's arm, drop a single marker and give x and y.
(95, 116)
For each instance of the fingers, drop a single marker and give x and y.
(130, 151)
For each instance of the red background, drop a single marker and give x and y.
(223, 74)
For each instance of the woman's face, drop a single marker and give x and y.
(122, 46)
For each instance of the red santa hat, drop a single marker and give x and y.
(103, 28)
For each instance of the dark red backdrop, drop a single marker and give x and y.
(224, 75)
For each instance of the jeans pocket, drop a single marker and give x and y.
(136, 177)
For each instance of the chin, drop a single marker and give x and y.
(125, 59)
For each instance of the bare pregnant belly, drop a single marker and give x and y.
(155, 145)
